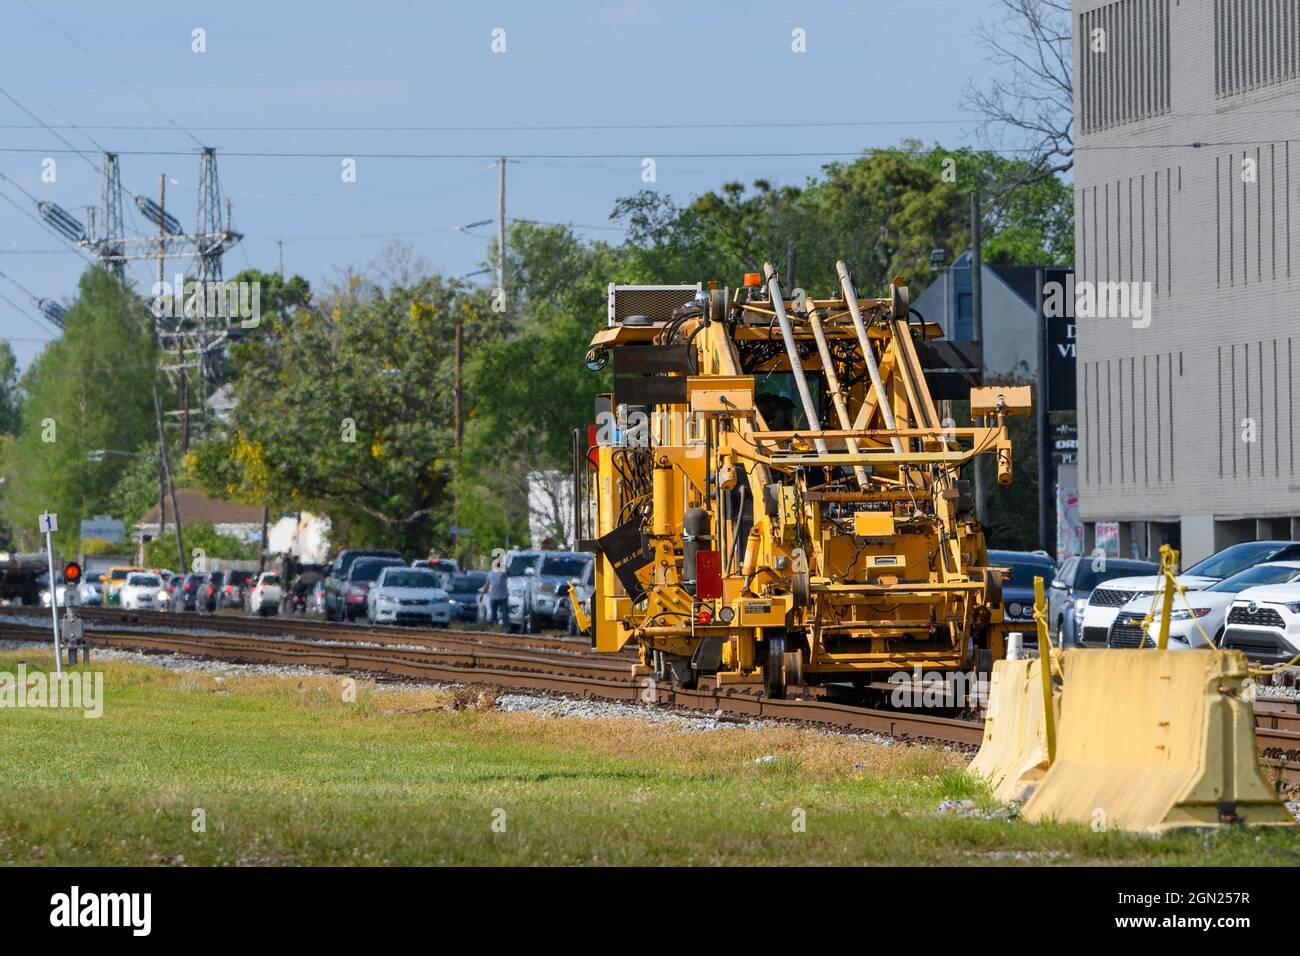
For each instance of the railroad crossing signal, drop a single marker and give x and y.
(71, 572)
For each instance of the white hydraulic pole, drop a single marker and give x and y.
(837, 398)
(787, 334)
(851, 298)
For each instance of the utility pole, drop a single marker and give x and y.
(977, 333)
(501, 224)
(167, 472)
(457, 389)
(162, 277)
(279, 245)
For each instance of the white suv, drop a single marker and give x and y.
(1264, 623)
(1106, 600)
(1197, 616)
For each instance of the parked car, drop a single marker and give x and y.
(265, 594)
(1018, 586)
(114, 578)
(464, 592)
(301, 597)
(1105, 601)
(546, 598)
(1264, 623)
(1201, 614)
(361, 577)
(90, 593)
(445, 568)
(402, 595)
(210, 591)
(234, 593)
(316, 603)
(519, 566)
(336, 583)
(60, 592)
(1074, 583)
(140, 592)
(185, 596)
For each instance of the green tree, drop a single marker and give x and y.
(90, 389)
(346, 409)
(883, 214)
(10, 396)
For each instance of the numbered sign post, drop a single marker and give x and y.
(48, 524)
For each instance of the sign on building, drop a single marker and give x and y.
(103, 528)
(1057, 309)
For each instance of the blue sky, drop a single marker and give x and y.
(896, 67)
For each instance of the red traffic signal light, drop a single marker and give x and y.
(71, 572)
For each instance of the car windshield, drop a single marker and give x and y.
(143, 581)
(117, 575)
(193, 580)
(1236, 558)
(369, 569)
(464, 583)
(519, 562)
(1023, 569)
(410, 579)
(1259, 574)
(1086, 579)
(270, 579)
(217, 577)
(565, 567)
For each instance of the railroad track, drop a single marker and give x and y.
(538, 663)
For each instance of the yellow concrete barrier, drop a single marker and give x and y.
(1153, 740)
(1013, 756)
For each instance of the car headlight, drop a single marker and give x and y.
(386, 599)
(1183, 614)
(1080, 605)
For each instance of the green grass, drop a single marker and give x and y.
(286, 772)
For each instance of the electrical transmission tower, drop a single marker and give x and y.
(108, 247)
(211, 237)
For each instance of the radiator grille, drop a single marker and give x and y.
(1127, 631)
(1260, 617)
(656, 302)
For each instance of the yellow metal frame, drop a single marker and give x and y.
(901, 580)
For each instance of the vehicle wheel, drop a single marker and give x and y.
(774, 666)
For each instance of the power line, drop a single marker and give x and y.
(654, 154)
(108, 69)
(644, 154)
(62, 139)
(508, 128)
(20, 310)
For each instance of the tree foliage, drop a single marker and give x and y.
(90, 389)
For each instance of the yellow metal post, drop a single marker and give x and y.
(1168, 561)
(1045, 667)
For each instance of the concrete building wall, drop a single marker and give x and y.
(1187, 181)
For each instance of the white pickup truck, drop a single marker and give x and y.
(264, 596)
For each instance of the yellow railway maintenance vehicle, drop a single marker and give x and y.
(771, 494)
